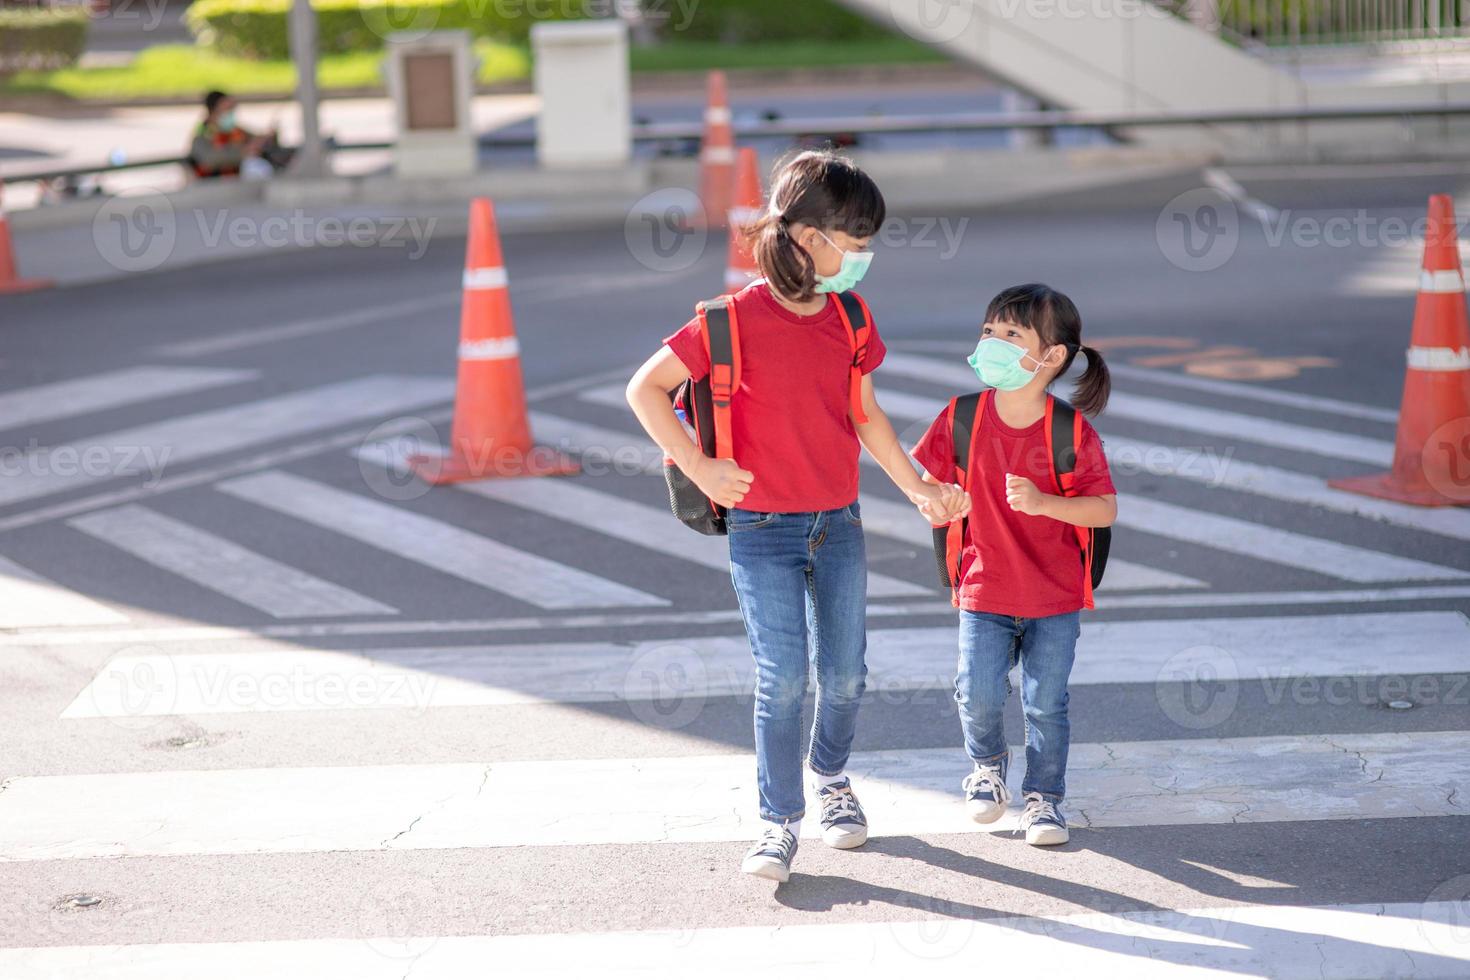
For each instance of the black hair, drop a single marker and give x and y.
(213, 99)
(817, 188)
(1055, 319)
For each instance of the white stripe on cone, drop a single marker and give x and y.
(1439, 358)
(743, 216)
(717, 154)
(489, 349)
(736, 278)
(1441, 281)
(490, 277)
(717, 115)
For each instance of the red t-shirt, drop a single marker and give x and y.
(1015, 564)
(789, 420)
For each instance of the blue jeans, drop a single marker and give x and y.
(801, 576)
(990, 645)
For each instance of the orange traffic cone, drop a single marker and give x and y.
(10, 280)
(491, 435)
(716, 155)
(740, 268)
(1431, 456)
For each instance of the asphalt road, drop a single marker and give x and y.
(514, 762)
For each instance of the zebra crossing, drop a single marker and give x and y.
(565, 763)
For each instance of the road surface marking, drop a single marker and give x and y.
(152, 448)
(309, 327)
(436, 544)
(28, 600)
(1285, 942)
(110, 389)
(686, 670)
(648, 527)
(708, 798)
(1273, 544)
(222, 566)
(902, 521)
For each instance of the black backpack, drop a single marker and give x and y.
(705, 404)
(1063, 432)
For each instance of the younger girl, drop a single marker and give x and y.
(797, 558)
(1021, 581)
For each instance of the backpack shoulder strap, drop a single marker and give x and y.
(1063, 434)
(854, 313)
(962, 432)
(722, 340)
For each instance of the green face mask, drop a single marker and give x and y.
(854, 267)
(998, 364)
(226, 121)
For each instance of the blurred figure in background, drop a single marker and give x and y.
(224, 148)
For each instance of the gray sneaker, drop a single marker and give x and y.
(986, 794)
(1043, 822)
(843, 822)
(771, 856)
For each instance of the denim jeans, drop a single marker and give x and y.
(990, 645)
(801, 579)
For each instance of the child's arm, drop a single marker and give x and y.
(1023, 496)
(722, 480)
(939, 502)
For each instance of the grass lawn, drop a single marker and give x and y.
(186, 70)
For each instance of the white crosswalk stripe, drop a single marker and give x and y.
(705, 798)
(29, 600)
(1290, 942)
(639, 524)
(254, 678)
(110, 389)
(149, 449)
(436, 544)
(219, 564)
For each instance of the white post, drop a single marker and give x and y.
(308, 160)
(581, 70)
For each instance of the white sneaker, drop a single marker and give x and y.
(986, 794)
(843, 822)
(771, 856)
(1043, 822)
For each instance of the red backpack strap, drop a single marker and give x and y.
(965, 413)
(1063, 436)
(721, 330)
(855, 316)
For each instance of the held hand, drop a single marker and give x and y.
(722, 480)
(1023, 496)
(940, 503)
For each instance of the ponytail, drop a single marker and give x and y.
(820, 189)
(1090, 395)
(787, 266)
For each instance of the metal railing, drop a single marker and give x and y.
(1295, 23)
(689, 132)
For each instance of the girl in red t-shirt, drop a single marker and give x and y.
(1021, 582)
(797, 558)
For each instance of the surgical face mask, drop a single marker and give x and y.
(854, 267)
(998, 364)
(226, 121)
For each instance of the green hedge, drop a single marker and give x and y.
(257, 28)
(744, 21)
(41, 38)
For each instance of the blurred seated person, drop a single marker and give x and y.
(224, 148)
